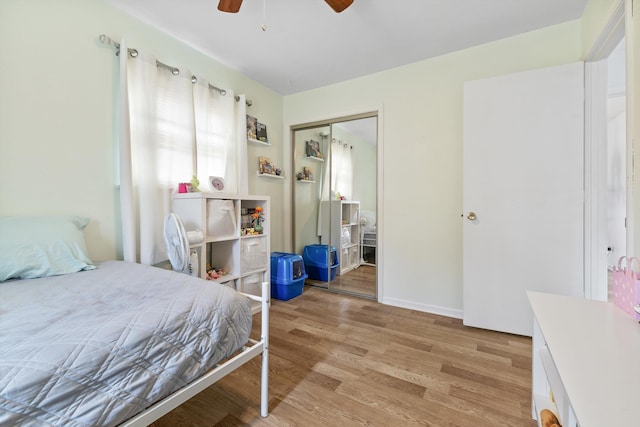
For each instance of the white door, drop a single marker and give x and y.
(523, 180)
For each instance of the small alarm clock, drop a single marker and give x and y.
(217, 183)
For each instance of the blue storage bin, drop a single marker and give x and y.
(286, 267)
(316, 262)
(287, 275)
(285, 292)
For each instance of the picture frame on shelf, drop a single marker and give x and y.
(265, 166)
(313, 149)
(261, 132)
(252, 127)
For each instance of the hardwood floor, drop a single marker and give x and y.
(361, 281)
(337, 360)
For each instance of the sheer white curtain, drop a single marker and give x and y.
(241, 144)
(170, 130)
(162, 152)
(341, 167)
(215, 136)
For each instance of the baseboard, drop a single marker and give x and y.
(433, 309)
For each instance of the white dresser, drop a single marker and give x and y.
(586, 354)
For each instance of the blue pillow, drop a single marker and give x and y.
(41, 246)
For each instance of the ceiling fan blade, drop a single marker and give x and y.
(339, 5)
(230, 6)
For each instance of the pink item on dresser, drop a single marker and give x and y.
(626, 286)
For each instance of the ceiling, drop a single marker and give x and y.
(307, 45)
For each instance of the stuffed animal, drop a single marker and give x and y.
(195, 184)
(548, 419)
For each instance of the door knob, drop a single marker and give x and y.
(471, 216)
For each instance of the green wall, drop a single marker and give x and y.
(58, 87)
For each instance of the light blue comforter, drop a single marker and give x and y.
(97, 347)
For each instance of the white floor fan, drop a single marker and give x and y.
(363, 223)
(176, 243)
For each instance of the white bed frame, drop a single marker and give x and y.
(252, 349)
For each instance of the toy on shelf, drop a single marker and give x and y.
(215, 274)
(195, 184)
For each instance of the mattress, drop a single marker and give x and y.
(97, 347)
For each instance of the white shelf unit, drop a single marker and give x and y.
(341, 228)
(244, 258)
(585, 361)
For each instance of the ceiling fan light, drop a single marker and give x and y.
(229, 6)
(339, 5)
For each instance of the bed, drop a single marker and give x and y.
(113, 343)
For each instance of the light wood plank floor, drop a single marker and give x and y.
(341, 361)
(361, 281)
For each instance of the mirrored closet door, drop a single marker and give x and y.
(334, 199)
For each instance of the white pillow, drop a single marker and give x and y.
(41, 246)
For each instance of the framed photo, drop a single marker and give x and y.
(313, 149)
(265, 166)
(261, 132)
(252, 125)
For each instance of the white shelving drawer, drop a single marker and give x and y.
(252, 284)
(254, 254)
(222, 220)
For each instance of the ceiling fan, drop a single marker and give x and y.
(233, 6)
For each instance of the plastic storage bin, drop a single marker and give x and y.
(287, 275)
(316, 262)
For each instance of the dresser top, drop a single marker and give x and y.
(596, 349)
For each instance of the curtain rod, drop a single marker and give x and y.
(337, 141)
(104, 39)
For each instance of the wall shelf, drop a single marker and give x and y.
(258, 142)
(315, 159)
(306, 181)
(268, 175)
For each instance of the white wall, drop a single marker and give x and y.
(422, 154)
(57, 122)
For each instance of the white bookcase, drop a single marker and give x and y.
(244, 258)
(341, 228)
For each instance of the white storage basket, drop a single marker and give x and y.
(253, 254)
(252, 284)
(221, 217)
